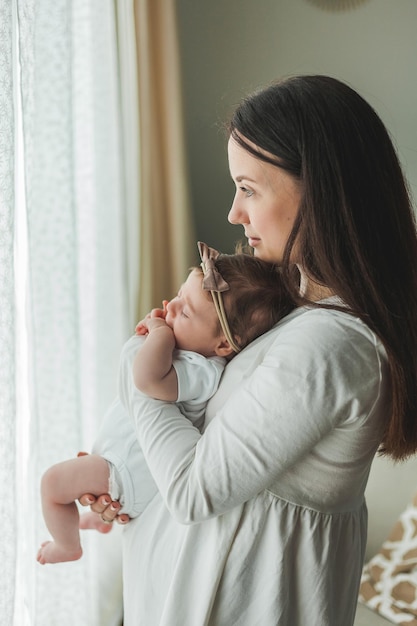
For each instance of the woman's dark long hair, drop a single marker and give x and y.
(355, 230)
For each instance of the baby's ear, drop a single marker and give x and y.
(224, 348)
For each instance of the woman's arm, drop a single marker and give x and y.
(311, 380)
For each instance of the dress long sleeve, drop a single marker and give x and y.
(313, 380)
(261, 518)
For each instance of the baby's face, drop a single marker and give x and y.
(193, 318)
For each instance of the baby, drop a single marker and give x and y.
(178, 354)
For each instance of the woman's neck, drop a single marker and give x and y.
(311, 290)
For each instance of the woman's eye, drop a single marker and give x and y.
(184, 314)
(246, 191)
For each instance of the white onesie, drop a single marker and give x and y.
(130, 480)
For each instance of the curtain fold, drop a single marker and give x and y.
(7, 312)
(167, 246)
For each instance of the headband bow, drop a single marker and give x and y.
(215, 283)
(212, 279)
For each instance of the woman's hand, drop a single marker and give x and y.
(103, 505)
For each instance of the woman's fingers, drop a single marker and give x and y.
(101, 503)
(87, 499)
(107, 508)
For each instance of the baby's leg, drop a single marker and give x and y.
(61, 485)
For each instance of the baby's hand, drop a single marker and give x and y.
(151, 323)
(142, 326)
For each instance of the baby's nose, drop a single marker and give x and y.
(171, 306)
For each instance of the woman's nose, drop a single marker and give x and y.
(236, 215)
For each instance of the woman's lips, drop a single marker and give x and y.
(253, 241)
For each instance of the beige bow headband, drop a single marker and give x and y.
(215, 283)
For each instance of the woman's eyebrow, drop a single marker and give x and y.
(243, 177)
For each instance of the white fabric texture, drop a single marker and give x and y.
(198, 379)
(7, 313)
(262, 518)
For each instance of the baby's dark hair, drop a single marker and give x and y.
(258, 297)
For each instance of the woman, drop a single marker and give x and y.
(261, 520)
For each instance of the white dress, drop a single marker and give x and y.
(261, 520)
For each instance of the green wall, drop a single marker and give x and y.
(231, 47)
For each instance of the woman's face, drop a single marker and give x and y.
(266, 202)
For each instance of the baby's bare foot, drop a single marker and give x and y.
(51, 552)
(93, 521)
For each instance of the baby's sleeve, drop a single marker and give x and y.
(198, 376)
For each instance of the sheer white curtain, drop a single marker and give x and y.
(64, 221)
(7, 314)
